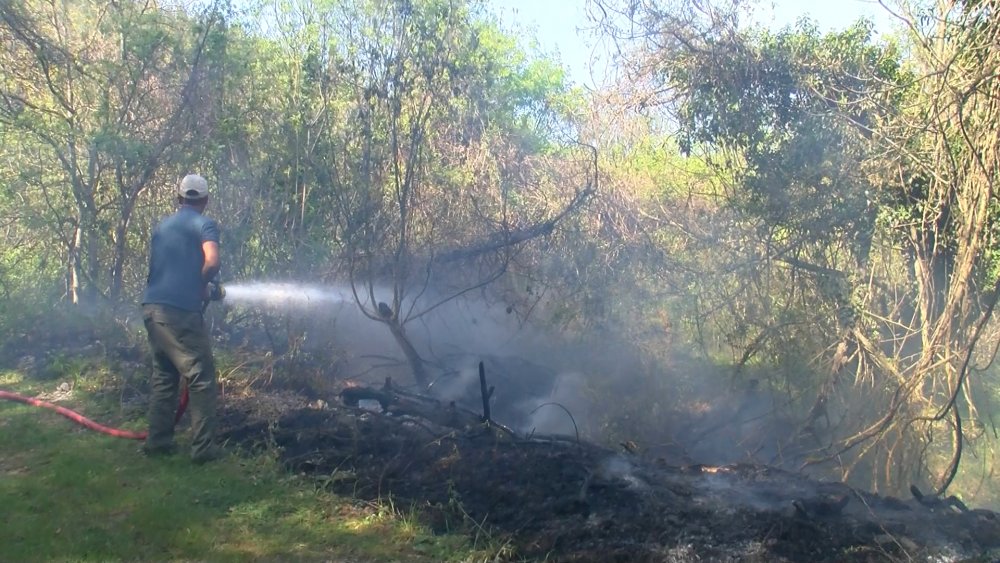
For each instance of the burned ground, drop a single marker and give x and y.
(559, 499)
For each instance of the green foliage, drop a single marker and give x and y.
(776, 99)
(282, 106)
(97, 100)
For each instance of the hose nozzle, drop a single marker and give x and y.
(216, 292)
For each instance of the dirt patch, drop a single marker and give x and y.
(561, 500)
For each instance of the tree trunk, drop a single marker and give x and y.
(412, 356)
(121, 249)
(90, 260)
(73, 273)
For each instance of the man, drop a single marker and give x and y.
(184, 257)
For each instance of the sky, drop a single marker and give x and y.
(556, 23)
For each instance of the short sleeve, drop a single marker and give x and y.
(209, 231)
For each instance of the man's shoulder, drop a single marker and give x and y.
(209, 229)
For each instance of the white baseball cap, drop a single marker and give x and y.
(193, 186)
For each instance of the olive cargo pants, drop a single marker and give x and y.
(181, 348)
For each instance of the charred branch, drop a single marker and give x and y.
(512, 238)
(487, 393)
(396, 401)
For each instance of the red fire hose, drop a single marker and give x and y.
(86, 422)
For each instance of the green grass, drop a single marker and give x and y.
(69, 494)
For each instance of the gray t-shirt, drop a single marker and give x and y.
(176, 259)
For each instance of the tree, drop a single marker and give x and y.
(110, 93)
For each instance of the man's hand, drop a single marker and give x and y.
(215, 291)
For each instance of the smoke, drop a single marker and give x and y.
(617, 467)
(562, 411)
(526, 366)
(542, 382)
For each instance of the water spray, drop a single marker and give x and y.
(283, 294)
